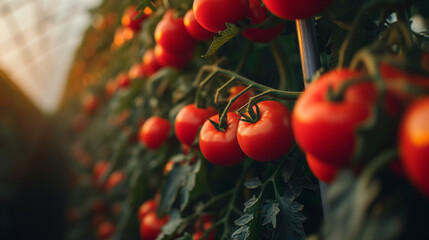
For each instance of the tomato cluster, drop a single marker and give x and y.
(150, 223)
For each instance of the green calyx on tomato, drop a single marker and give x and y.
(220, 146)
(270, 137)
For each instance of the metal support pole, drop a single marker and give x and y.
(310, 61)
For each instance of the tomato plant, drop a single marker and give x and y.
(414, 144)
(123, 80)
(151, 225)
(270, 136)
(146, 208)
(258, 14)
(326, 128)
(154, 132)
(129, 18)
(171, 34)
(242, 100)
(221, 147)
(213, 14)
(189, 120)
(150, 64)
(292, 10)
(166, 58)
(324, 172)
(195, 29)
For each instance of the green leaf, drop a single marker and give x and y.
(290, 219)
(241, 234)
(172, 226)
(224, 36)
(243, 220)
(190, 185)
(250, 203)
(187, 236)
(253, 183)
(270, 209)
(176, 179)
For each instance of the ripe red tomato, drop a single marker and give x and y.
(110, 88)
(99, 169)
(242, 100)
(271, 136)
(322, 171)
(105, 230)
(129, 18)
(326, 129)
(137, 71)
(171, 34)
(195, 29)
(414, 144)
(221, 147)
(150, 226)
(166, 58)
(291, 9)
(154, 132)
(147, 207)
(213, 14)
(122, 80)
(90, 103)
(114, 179)
(189, 120)
(258, 14)
(150, 64)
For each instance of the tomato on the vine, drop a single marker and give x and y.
(136, 71)
(146, 208)
(129, 18)
(122, 80)
(242, 100)
(114, 179)
(154, 132)
(150, 64)
(271, 136)
(221, 146)
(105, 230)
(151, 224)
(171, 34)
(195, 29)
(326, 128)
(414, 144)
(322, 171)
(292, 10)
(166, 58)
(90, 103)
(258, 14)
(189, 120)
(98, 171)
(213, 14)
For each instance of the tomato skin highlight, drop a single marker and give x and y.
(146, 208)
(154, 132)
(414, 144)
(150, 64)
(271, 136)
(322, 171)
(213, 14)
(326, 129)
(150, 226)
(221, 147)
(258, 14)
(172, 35)
(195, 29)
(189, 120)
(292, 9)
